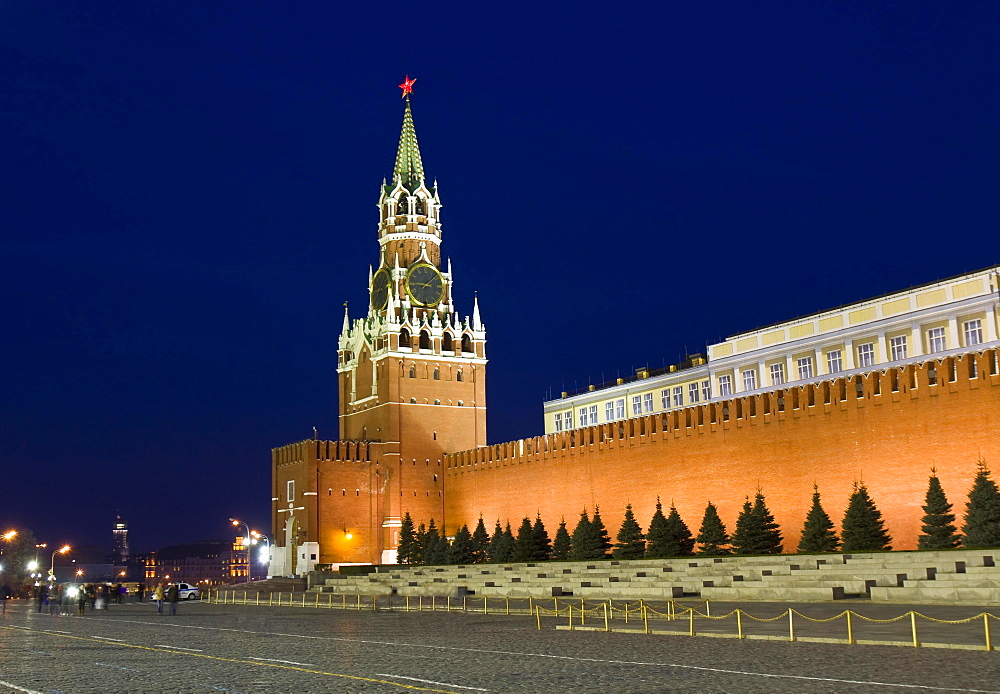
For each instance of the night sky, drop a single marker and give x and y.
(188, 195)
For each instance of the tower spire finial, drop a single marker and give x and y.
(409, 169)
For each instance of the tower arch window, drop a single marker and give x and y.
(466, 343)
(425, 339)
(404, 338)
(458, 375)
(446, 343)
(413, 371)
(437, 374)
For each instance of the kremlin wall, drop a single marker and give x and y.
(880, 391)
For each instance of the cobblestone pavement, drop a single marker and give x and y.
(248, 649)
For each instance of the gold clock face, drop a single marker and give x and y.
(380, 289)
(424, 284)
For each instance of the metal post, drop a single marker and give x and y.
(486, 605)
(530, 605)
(913, 627)
(344, 600)
(691, 615)
(555, 605)
(359, 602)
(986, 627)
(329, 601)
(739, 623)
(583, 612)
(506, 602)
(465, 603)
(407, 603)
(317, 600)
(708, 609)
(607, 624)
(850, 628)
(270, 598)
(374, 603)
(791, 626)
(645, 617)
(569, 611)
(626, 612)
(303, 600)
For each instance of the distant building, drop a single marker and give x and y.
(210, 562)
(120, 541)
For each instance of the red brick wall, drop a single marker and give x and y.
(889, 440)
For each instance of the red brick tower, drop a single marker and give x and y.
(412, 371)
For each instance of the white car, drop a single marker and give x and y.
(186, 591)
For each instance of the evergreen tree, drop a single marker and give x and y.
(562, 546)
(938, 529)
(480, 543)
(585, 544)
(982, 511)
(524, 545)
(496, 543)
(745, 535)
(768, 531)
(543, 545)
(419, 543)
(631, 542)
(712, 536)
(863, 529)
(505, 550)
(680, 542)
(658, 537)
(462, 550)
(407, 541)
(601, 532)
(435, 546)
(818, 534)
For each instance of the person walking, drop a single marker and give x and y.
(81, 601)
(173, 597)
(158, 595)
(4, 590)
(141, 590)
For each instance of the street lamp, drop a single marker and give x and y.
(265, 554)
(52, 566)
(246, 542)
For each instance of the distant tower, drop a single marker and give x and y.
(120, 540)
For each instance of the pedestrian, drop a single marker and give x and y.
(4, 592)
(40, 595)
(81, 601)
(173, 597)
(141, 590)
(158, 596)
(122, 592)
(92, 596)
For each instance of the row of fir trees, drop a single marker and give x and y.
(756, 532)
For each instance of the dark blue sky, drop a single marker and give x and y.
(188, 190)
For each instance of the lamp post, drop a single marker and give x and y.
(246, 542)
(267, 548)
(52, 566)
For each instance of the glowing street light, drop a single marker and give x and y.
(52, 566)
(246, 541)
(9, 535)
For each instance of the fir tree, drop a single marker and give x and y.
(585, 544)
(505, 551)
(982, 511)
(435, 546)
(658, 536)
(496, 543)
(938, 529)
(462, 550)
(818, 534)
(562, 546)
(631, 542)
(480, 543)
(712, 536)
(524, 545)
(769, 533)
(680, 542)
(743, 539)
(407, 541)
(862, 529)
(419, 543)
(601, 532)
(543, 545)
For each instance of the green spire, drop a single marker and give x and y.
(409, 170)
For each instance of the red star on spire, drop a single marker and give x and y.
(407, 86)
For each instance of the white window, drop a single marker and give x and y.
(692, 392)
(620, 408)
(706, 390)
(749, 379)
(665, 398)
(973, 332)
(866, 354)
(593, 414)
(559, 425)
(897, 348)
(725, 385)
(834, 361)
(609, 411)
(935, 340)
(647, 402)
(777, 374)
(636, 405)
(583, 416)
(678, 396)
(805, 367)
(290, 491)
(569, 420)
